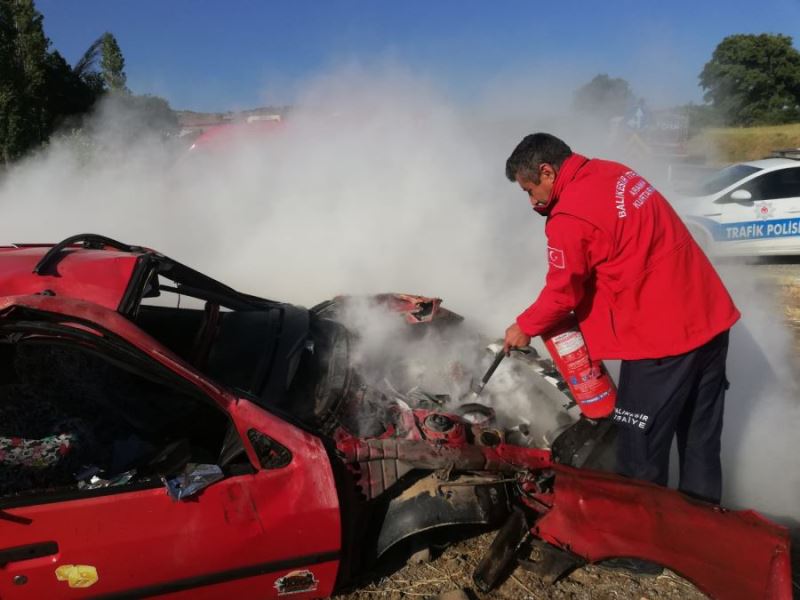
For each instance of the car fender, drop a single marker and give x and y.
(726, 554)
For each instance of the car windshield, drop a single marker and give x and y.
(722, 179)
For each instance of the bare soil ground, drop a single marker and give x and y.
(452, 569)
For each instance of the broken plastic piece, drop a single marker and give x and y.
(88, 472)
(194, 479)
(500, 556)
(552, 563)
(96, 482)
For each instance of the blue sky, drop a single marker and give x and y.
(231, 54)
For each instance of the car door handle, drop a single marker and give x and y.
(791, 212)
(17, 553)
(712, 214)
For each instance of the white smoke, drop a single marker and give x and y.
(378, 182)
(762, 411)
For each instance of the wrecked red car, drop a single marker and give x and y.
(163, 434)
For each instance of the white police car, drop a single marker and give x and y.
(750, 208)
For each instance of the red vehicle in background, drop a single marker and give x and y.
(233, 447)
(221, 137)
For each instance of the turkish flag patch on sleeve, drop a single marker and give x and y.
(556, 257)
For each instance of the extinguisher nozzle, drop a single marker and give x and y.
(477, 388)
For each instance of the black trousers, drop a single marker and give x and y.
(680, 395)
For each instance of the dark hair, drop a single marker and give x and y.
(534, 150)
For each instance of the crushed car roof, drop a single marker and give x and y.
(112, 274)
(101, 276)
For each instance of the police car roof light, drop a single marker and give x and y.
(793, 153)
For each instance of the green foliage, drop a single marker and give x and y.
(604, 97)
(112, 64)
(67, 93)
(85, 68)
(754, 79)
(24, 57)
(11, 99)
(39, 91)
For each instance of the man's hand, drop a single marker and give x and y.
(515, 338)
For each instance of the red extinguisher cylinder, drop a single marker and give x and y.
(588, 380)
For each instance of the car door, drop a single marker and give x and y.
(254, 535)
(780, 207)
(767, 223)
(269, 528)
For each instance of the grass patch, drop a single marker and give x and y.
(735, 144)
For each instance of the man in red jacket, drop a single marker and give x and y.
(643, 291)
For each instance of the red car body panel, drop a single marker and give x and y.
(306, 486)
(414, 309)
(251, 528)
(98, 276)
(240, 535)
(727, 554)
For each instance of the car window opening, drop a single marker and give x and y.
(784, 183)
(70, 418)
(722, 179)
(254, 349)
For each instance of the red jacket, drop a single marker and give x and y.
(624, 262)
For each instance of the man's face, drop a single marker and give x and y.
(538, 193)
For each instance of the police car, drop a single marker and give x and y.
(749, 208)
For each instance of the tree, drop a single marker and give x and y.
(113, 64)
(604, 97)
(754, 79)
(67, 93)
(38, 89)
(11, 77)
(86, 67)
(30, 45)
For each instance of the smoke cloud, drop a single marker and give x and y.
(379, 182)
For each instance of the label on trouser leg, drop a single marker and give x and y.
(630, 419)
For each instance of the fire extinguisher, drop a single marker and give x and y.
(589, 382)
